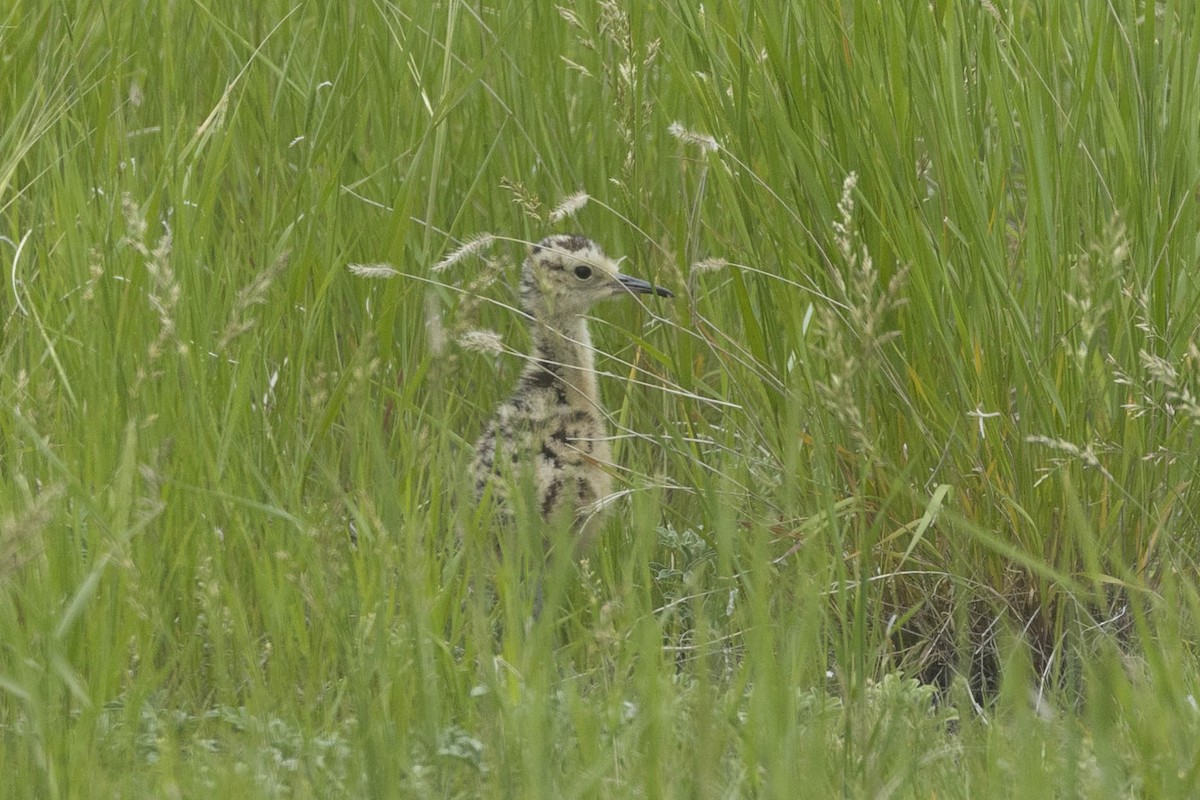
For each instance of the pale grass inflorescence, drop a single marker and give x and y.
(854, 321)
(252, 294)
(482, 341)
(701, 141)
(1085, 454)
(21, 530)
(708, 265)
(1168, 388)
(165, 290)
(610, 37)
(569, 206)
(1103, 261)
(378, 270)
(471, 247)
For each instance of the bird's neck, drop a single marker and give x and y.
(564, 347)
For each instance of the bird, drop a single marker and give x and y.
(552, 427)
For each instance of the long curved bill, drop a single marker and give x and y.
(638, 286)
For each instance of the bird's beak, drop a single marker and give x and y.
(634, 285)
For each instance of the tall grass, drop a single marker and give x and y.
(907, 467)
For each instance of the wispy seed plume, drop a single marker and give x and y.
(469, 248)
(709, 265)
(482, 341)
(843, 227)
(702, 140)
(373, 271)
(570, 206)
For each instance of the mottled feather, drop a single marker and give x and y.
(553, 424)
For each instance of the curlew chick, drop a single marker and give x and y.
(553, 424)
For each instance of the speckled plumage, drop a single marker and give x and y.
(553, 424)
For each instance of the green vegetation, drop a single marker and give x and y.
(910, 460)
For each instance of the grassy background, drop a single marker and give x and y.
(926, 409)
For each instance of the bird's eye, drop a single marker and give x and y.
(583, 273)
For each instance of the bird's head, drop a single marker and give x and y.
(565, 274)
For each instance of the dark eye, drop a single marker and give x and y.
(583, 273)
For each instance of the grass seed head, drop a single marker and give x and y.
(703, 141)
(470, 247)
(373, 271)
(482, 341)
(570, 206)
